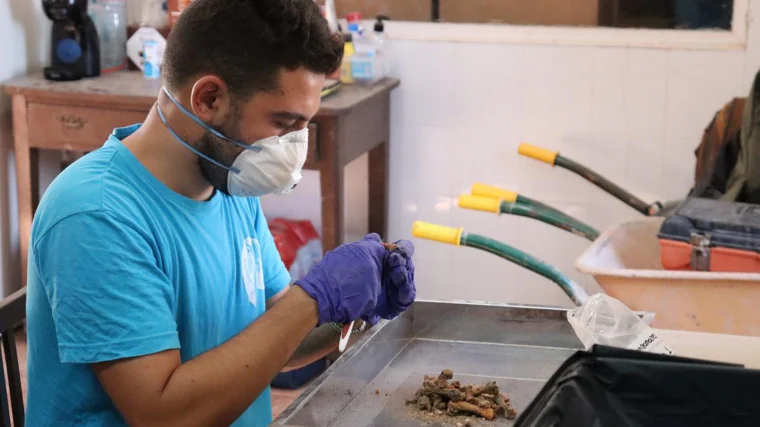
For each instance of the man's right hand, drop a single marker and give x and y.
(347, 282)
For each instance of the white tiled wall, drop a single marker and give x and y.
(635, 115)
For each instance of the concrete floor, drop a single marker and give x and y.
(280, 398)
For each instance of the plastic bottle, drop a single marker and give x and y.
(382, 42)
(355, 18)
(607, 321)
(345, 66)
(354, 31)
(370, 62)
(95, 13)
(112, 31)
(152, 60)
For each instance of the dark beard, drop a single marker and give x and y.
(220, 150)
(217, 176)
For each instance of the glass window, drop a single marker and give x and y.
(661, 14)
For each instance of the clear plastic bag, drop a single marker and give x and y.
(607, 321)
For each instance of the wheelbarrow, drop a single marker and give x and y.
(625, 262)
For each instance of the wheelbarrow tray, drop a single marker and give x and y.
(625, 261)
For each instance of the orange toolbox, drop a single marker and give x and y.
(712, 235)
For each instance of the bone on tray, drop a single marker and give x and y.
(439, 395)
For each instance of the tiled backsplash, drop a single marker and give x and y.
(634, 115)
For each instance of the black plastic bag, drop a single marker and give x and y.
(610, 387)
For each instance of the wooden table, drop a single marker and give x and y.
(79, 116)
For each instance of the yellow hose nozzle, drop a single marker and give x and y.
(479, 203)
(538, 153)
(438, 233)
(483, 190)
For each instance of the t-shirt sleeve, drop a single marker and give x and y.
(276, 276)
(108, 297)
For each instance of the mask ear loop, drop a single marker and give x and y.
(205, 126)
(190, 147)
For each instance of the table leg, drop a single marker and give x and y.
(378, 190)
(34, 176)
(24, 184)
(332, 182)
(331, 178)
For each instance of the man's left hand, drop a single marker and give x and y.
(398, 291)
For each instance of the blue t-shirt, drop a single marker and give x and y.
(121, 266)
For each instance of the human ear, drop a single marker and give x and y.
(210, 100)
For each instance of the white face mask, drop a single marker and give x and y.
(268, 166)
(275, 168)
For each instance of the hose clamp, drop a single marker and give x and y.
(654, 209)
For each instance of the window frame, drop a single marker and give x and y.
(735, 39)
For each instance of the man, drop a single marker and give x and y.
(156, 296)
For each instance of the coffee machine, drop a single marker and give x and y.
(75, 51)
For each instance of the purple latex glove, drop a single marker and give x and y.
(398, 290)
(346, 283)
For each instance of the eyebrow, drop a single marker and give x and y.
(289, 115)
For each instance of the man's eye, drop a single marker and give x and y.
(284, 125)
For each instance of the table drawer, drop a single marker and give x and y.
(64, 127)
(312, 156)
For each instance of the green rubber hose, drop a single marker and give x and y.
(608, 186)
(552, 217)
(457, 237)
(523, 200)
(523, 206)
(572, 289)
(555, 159)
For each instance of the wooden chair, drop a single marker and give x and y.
(12, 314)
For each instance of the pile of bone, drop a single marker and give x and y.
(439, 395)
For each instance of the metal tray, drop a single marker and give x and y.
(519, 347)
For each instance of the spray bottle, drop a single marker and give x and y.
(382, 43)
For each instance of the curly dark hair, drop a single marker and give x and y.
(247, 43)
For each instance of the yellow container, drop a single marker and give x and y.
(345, 66)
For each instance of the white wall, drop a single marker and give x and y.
(634, 115)
(24, 31)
